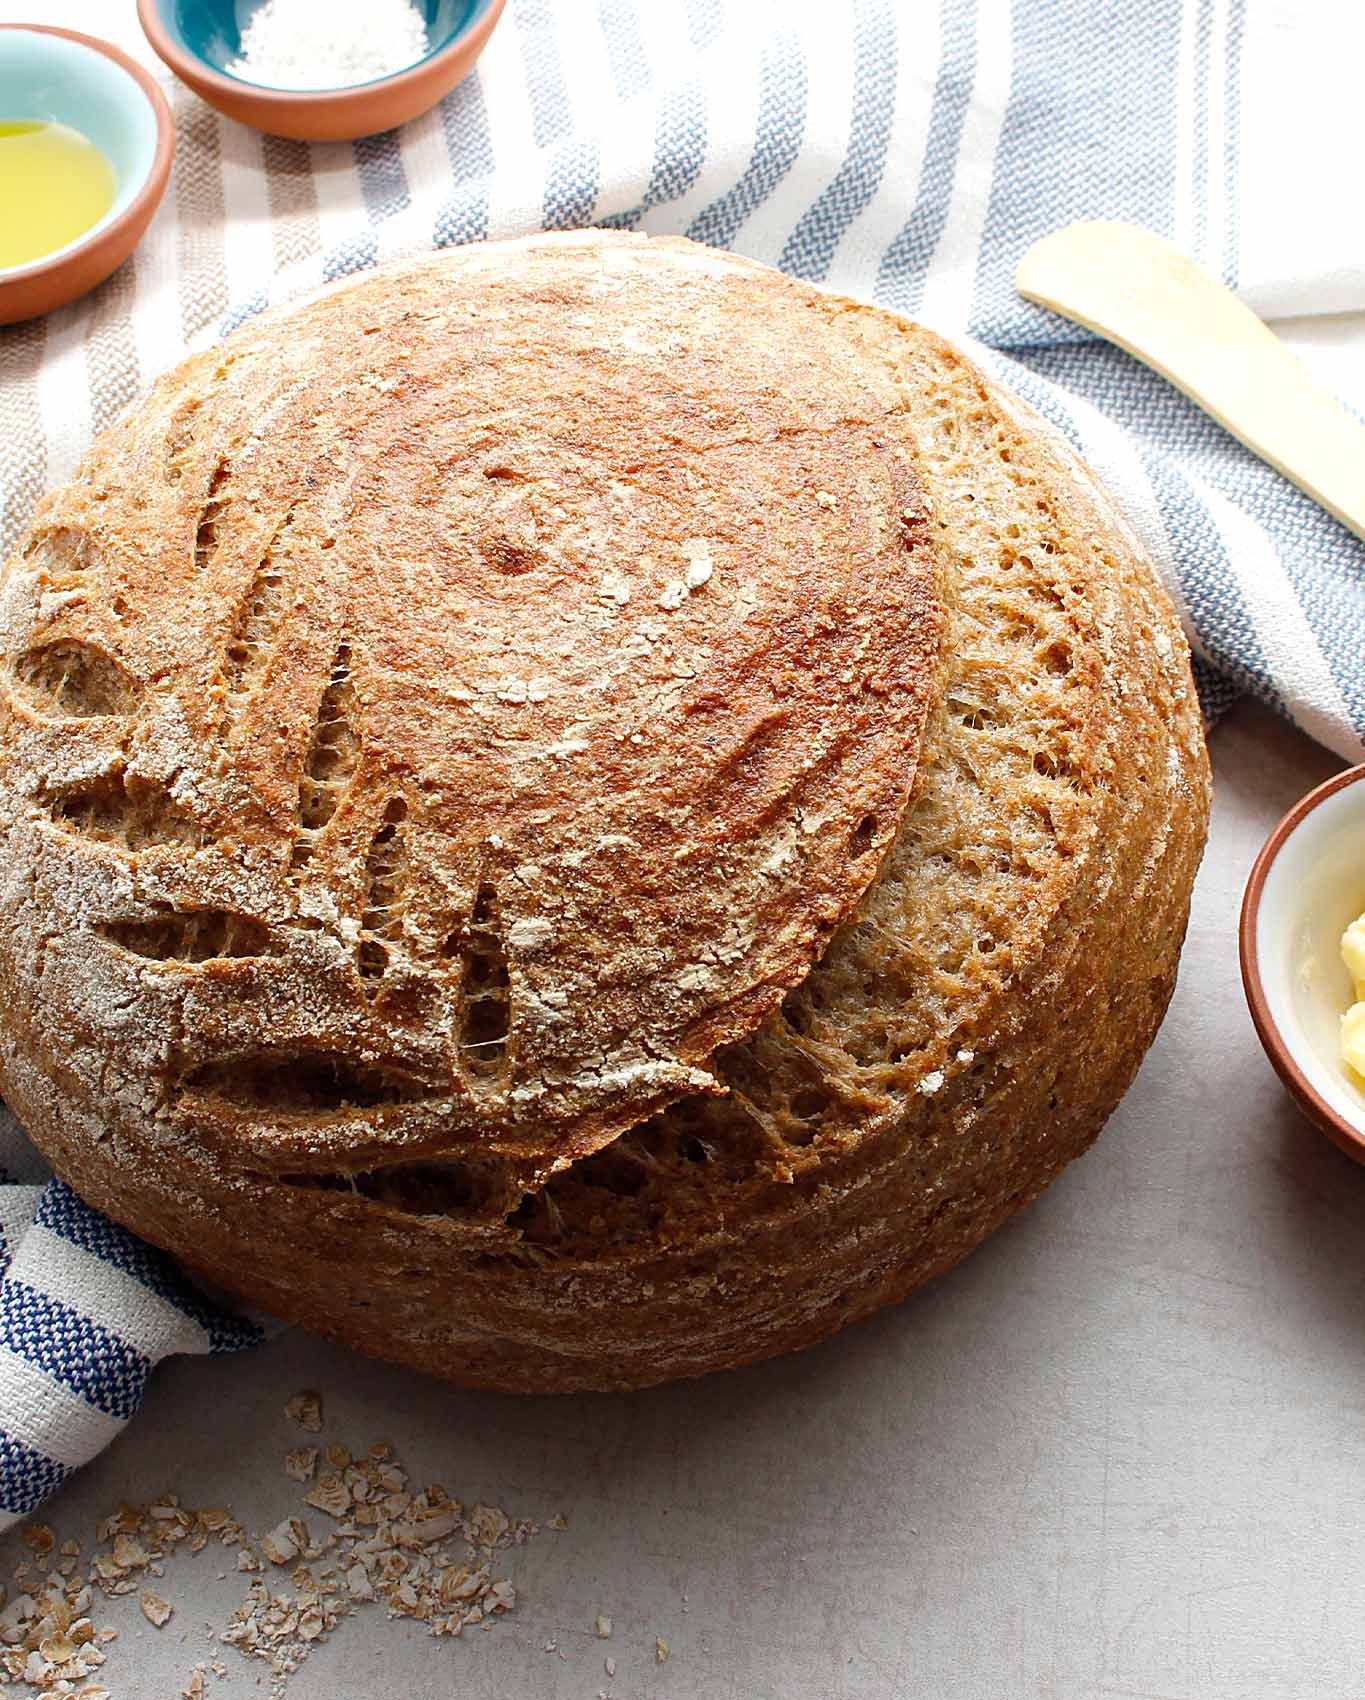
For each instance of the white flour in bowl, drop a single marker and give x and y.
(297, 44)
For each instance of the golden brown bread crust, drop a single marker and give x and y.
(527, 704)
(965, 1033)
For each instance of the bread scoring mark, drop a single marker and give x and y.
(257, 625)
(71, 680)
(64, 555)
(182, 429)
(381, 920)
(333, 754)
(456, 1188)
(180, 436)
(689, 1152)
(206, 532)
(111, 811)
(485, 1005)
(194, 935)
(303, 1083)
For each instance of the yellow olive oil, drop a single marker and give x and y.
(54, 184)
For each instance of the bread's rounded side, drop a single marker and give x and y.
(964, 1036)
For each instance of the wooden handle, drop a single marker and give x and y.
(1146, 296)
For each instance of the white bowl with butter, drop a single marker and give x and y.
(1306, 889)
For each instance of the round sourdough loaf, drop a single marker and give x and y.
(578, 812)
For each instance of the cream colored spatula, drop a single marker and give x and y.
(1142, 293)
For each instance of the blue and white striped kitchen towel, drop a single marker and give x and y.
(902, 151)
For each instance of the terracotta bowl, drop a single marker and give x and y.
(199, 38)
(78, 80)
(1306, 886)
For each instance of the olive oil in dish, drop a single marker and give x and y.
(55, 184)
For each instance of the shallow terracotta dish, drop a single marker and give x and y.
(76, 79)
(1306, 886)
(199, 38)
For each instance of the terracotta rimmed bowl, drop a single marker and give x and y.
(89, 84)
(1306, 886)
(199, 38)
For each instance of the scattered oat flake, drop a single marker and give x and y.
(609, 1665)
(301, 1463)
(306, 1410)
(390, 1548)
(660, 1650)
(558, 1522)
(603, 1628)
(280, 1546)
(128, 1553)
(155, 1609)
(57, 1649)
(330, 1495)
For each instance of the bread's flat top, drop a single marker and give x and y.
(479, 692)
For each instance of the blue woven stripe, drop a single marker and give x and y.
(810, 247)
(572, 175)
(469, 146)
(679, 153)
(247, 309)
(1089, 130)
(1218, 608)
(781, 123)
(704, 18)
(551, 116)
(620, 23)
(61, 1212)
(905, 264)
(1321, 557)
(354, 255)
(26, 1477)
(679, 145)
(73, 1349)
(383, 177)
(1215, 692)
(571, 186)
